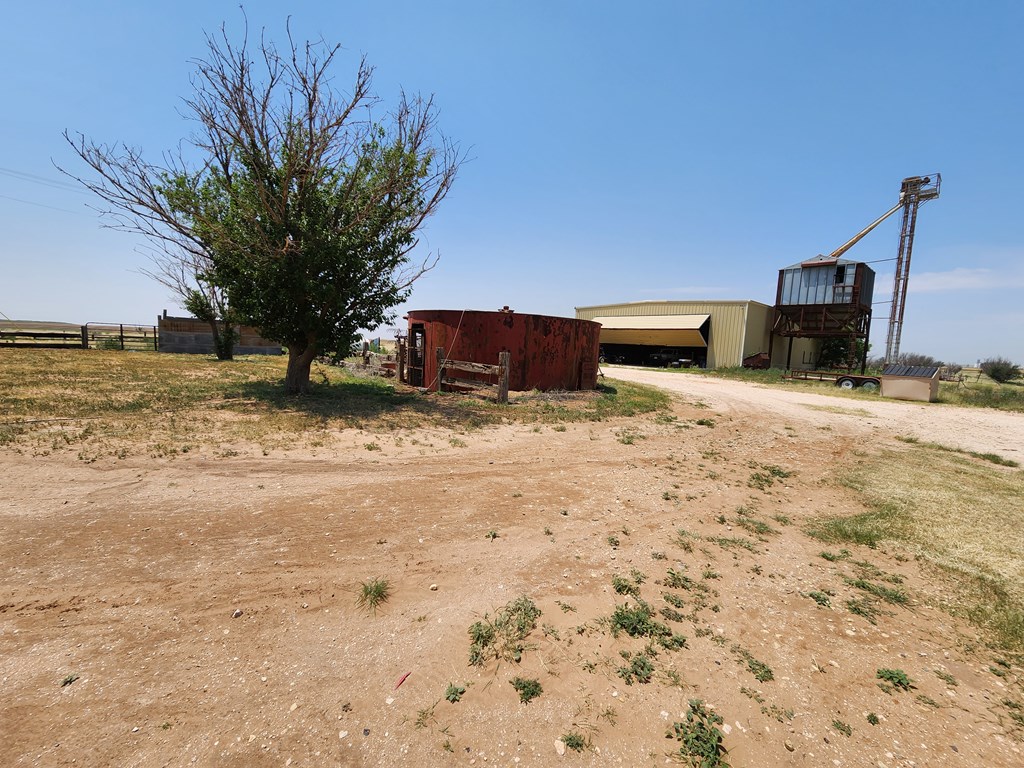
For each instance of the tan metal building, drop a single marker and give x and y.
(713, 334)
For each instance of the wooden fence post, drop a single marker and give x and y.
(440, 369)
(85, 337)
(503, 366)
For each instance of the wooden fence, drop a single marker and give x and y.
(88, 336)
(499, 371)
(140, 338)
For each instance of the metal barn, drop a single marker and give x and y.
(712, 334)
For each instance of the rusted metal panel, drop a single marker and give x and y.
(545, 352)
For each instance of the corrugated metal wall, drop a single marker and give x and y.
(759, 325)
(805, 353)
(738, 328)
(546, 352)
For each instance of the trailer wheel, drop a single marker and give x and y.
(870, 386)
(845, 383)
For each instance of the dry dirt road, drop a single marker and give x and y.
(973, 429)
(200, 609)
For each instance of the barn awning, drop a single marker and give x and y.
(656, 330)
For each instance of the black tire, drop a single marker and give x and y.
(871, 385)
(846, 383)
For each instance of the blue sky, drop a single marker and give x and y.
(620, 152)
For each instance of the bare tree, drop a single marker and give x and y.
(302, 209)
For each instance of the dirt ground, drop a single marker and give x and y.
(201, 610)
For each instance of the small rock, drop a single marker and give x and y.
(789, 746)
(237, 613)
(135, 729)
(366, 731)
(293, 707)
(726, 729)
(389, 701)
(342, 734)
(559, 747)
(433, 587)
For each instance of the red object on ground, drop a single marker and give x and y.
(402, 680)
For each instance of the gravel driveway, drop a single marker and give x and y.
(984, 430)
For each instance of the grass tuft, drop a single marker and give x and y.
(373, 594)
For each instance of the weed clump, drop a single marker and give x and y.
(700, 737)
(864, 608)
(896, 678)
(504, 636)
(843, 728)
(761, 671)
(454, 693)
(820, 598)
(624, 586)
(894, 596)
(638, 621)
(574, 741)
(639, 670)
(528, 689)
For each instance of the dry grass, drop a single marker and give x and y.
(115, 404)
(961, 514)
(839, 409)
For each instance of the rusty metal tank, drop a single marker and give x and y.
(546, 352)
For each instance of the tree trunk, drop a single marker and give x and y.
(223, 340)
(296, 380)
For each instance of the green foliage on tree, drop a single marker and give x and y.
(207, 308)
(303, 207)
(1000, 369)
(841, 353)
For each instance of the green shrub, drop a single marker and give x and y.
(1000, 369)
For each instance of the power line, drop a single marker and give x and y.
(42, 180)
(41, 205)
